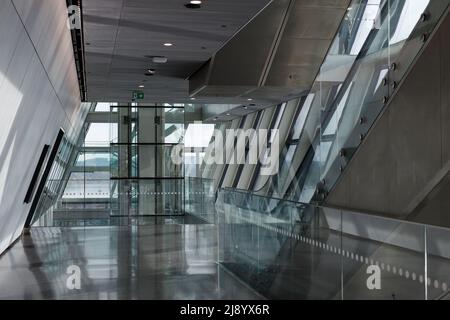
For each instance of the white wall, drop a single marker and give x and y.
(39, 93)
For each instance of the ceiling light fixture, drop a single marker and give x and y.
(194, 4)
(168, 44)
(159, 60)
(150, 72)
(249, 99)
(141, 86)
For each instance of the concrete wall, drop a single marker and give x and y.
(39, 94)
(407, 153)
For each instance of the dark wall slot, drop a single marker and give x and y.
(36, 173)
(44, 177)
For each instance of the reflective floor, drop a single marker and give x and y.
(135, 262)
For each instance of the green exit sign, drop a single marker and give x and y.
(138, 95)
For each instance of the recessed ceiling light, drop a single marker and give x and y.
(159, 59)
(192, 99)
(194, 4)
(141, 86)
(168, 44)
(249, 99)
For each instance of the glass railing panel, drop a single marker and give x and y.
(290, 250)
(84, 196)
(148, 197)
(239, 241)
(360, 88)
(383, 259)
(438, 263)
(321, 242)
(200, 198)
(313, 175)
(118, 221)
(87, 201)
(280, 248)
(419, 20)
(371, 54)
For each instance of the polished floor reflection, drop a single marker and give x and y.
(135, 262)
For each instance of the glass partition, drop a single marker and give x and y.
(147, 197)
(375, 47)
(438, 263)
(122, 164)
(391, 35)
(290, 250)
(392, 250)
(200, 198)
(147, 160)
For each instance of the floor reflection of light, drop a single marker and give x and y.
(199, 258)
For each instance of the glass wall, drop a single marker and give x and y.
(147, 161)
(199, 187)
(372, 52)
(121, 166)
(381, 40)
(54, 188)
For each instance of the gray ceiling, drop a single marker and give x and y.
(119, 34)
(276, 57)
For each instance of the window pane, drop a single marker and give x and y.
(96, 159)
(199, 135)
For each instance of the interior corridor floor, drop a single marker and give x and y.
(135, 262)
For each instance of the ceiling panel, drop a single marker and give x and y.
(121, 34)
